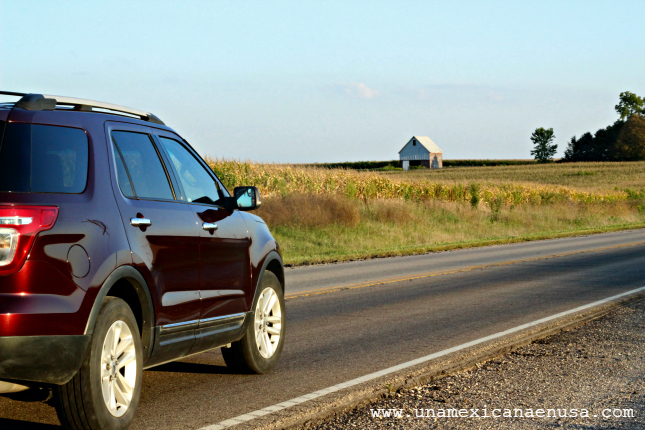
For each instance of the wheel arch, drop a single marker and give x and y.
(272, 263)
(129, 285)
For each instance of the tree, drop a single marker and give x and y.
(598, 147)
(572, 151)
(629, 104)
(622, 141)
(630, 144)
(542, 139)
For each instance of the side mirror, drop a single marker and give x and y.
(246, 198)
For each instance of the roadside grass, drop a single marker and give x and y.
(324, 215)
(382, 228)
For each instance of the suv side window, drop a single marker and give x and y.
(199, 186)
(145, 176)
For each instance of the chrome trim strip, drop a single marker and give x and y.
(177, 327)
(222, 320)
(196, 324)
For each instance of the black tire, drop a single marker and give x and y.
(79, 403)
(244, 355)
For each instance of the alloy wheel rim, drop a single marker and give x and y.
(118, 368)
(268, 323)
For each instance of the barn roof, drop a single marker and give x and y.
(427, 144)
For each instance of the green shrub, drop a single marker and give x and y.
(474, 195)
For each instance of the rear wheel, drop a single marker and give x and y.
(260, 348)
(104, 394)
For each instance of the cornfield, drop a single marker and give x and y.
(274, 179)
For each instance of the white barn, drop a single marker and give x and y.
(421, 151)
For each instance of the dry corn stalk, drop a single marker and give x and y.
(275, 179)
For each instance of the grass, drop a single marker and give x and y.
(380, 228)
(323, 215)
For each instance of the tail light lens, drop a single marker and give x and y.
(19, 226)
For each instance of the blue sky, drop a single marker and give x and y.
(337, 81)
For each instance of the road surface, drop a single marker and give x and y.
(351, 319)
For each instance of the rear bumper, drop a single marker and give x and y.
(43, 359)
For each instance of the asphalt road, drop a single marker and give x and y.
(449, 298)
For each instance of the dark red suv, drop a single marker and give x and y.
(121, 250)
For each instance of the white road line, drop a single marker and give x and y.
(295, 401)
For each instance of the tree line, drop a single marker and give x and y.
(624, 140)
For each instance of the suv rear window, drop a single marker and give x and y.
(43, 159)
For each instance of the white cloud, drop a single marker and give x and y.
(495, 96)
(357, 90)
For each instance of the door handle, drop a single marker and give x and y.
(208, 226)
(140, 222)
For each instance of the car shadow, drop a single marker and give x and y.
(181, 367)
(7, 424)
(30, 395)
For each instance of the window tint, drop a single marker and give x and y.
(15, 157)
(58, 159)
(199, 186)
(143, 165)
(43, 159)
(122, 174)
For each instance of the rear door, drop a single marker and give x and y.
(162, 231)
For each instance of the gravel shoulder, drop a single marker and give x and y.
(596, 369)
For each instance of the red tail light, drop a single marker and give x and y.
(19, 226)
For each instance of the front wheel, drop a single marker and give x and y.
(105, 392)
(260, 348)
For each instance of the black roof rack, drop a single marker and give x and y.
(48, 102)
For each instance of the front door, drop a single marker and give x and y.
(224, 276)
(225, 279)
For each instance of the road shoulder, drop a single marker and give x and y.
(597, 367)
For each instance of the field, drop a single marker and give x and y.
(589, 177)
(322, 215)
